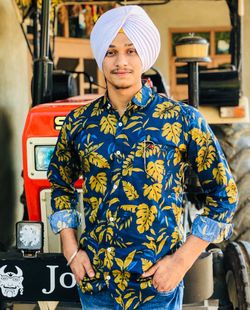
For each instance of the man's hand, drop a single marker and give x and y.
(81, 266)
(171, 269)
(167, 273)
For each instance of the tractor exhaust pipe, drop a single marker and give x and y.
(42, 83)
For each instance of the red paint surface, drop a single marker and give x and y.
(40, 123)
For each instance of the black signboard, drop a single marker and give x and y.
(44, 278)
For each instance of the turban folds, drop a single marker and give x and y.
(137, 26)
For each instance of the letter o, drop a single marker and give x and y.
(62, 280)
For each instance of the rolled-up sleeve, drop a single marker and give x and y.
(208, 161)
(63, 171)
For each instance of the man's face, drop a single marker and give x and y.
(122, 66)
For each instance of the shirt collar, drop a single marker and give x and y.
(140, 99)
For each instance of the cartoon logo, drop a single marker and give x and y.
(10, 282)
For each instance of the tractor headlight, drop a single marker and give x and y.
(43, 155)
(29, 236)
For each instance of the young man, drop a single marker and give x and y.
(132, 147)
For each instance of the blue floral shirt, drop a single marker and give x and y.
(133, 170)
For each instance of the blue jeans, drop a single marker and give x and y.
(103, 300)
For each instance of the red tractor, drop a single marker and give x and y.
(218, 280)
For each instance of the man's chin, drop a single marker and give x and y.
(123, 85)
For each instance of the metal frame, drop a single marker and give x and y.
(31, 144)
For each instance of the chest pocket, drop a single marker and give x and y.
(151, 158)
(158, 161)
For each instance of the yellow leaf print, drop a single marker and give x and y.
(177, 156)
(85, 164)
(90, 147)
(161, 245)
(145, 148)
(130, 208)
(121, 278)
(109, 257)
(65, 174)
(119, 300)
(219, 174)
(62, 202)
(148, 298)
(86, 286)
(127, 167)
(199, 136)
(138, 96)
(182, 147)
(122, 136)
(129, 259)
(109, 234)
(150, 245)
(231, 190)
(175, 237)
(98, 160)
(62, 153)
(145, 217)
(112, 201)
(92, 126)
(205, 158)
(94, 205)
(108, 124)
(132, 124)
(146, 264)
(153, 191)
(210, 201)
(99, 182)
(156, 170)
(80, 110)
(172, 132)
(64, 135)
(177, 212)
(96, 110)
(130, 190)
(129, 302)
(145, 284)
(166, 110)
(119, 262)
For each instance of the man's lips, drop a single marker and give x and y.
(121, 72)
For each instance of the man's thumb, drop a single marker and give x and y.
(149, 272)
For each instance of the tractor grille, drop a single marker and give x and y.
(52, 242)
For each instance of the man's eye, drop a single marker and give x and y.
(110, 53)
(132, 51)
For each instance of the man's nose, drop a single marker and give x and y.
(121, 59)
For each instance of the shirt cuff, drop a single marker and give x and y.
(211, 230)
(64, 219)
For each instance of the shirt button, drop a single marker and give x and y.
(108, 278)
(108, 106)
(115, 186)
(118, 152)
(111, 219)
(109, 249)
(120, 124)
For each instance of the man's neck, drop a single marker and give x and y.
(120, 98)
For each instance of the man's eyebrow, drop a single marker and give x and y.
(128, 44)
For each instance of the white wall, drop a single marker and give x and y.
(185, 13)
(14, 90)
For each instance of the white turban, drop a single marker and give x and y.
(138, 27)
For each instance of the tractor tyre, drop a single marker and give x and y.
(237, 264)
(235, 142)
